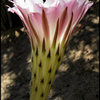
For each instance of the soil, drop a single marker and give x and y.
(78, 75)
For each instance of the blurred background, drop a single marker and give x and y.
(78, 75)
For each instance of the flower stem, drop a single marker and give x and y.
(44, 66)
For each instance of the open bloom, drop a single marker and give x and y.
(53, 20)
(49, 26)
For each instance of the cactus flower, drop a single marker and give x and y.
(49, 25)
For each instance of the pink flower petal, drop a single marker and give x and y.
(41, 19)
(36, 21)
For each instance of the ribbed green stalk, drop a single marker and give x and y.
(44, 66)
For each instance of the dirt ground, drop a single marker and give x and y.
(78, 75)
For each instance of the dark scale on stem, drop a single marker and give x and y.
(42, 80)
(36, 88)
(40, 64)
(49, 71)
(49, 82)
(59, 59)
(36, 51)
(57, 53)
(49, 54)
(42, 95)
(34, 75)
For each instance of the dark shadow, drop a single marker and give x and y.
(15, 51)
